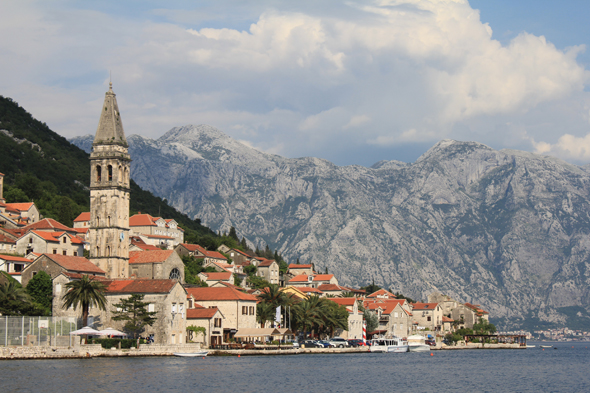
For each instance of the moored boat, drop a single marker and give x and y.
(191, 354)
(388, 344)
(417, 343)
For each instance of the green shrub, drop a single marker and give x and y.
(109, 343)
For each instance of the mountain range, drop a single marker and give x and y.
(508, 230)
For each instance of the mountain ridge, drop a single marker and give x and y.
(505, 229)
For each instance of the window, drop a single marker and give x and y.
(64, 239)
(252, 310)
(30, 240)
(174, 307)
(75, 253)
(244, 310)
(175, 274)
(429, 319)
(54, 251)
(151, 307)
(110, 170)
(217, 322)
(18, 267)
(65, 252)
(98, 173)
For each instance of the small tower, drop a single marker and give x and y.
(108, 234)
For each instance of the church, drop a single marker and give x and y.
(158, 277)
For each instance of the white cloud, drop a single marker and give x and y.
(371, 74)
(567, 147)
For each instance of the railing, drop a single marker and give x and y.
(48, 331)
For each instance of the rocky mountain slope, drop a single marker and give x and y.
(505, 229)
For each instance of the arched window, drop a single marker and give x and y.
(108, 254)
(98, 173)
(109, 221)
(175, 274)
(110, 169)
(97, 221)
(97, 251)
(121, 180)
(126, 180)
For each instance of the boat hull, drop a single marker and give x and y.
(389, 348)
(419, 348)
(191, 354)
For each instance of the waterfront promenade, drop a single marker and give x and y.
(95, 350)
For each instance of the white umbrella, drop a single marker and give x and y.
(111, 332)
(85, 331)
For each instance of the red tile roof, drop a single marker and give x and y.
(140, 286)
(220, 294)
(6, 239)
(343, 301)
(47, 236)
(193, 247)
(201, 313)
(21, 206)
(12, 258)
(85, 216)
(75, 264)
(78, 276)
(309, 289)
(158, 237)
(48, 223)
(149, 256)
(296, 266)
(145, 247)
(447, 319)
(217, 276)
(266, 262)
(382, 293)
(322, 277)
(141, 220)
(331, 287)
(214, 254)
(300, 278)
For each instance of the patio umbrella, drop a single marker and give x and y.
(111, 332)
(85, 331)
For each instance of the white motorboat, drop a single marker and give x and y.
(417, 343)
(388, 344)
(191, 354)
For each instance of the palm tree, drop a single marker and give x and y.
(274, 295)
(85, 293)
(309, 314)
(264, 312)
(12, 291)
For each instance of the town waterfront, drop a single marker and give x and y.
(564, 369)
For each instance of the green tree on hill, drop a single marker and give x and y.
(40, 289)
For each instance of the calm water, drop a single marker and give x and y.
(566, 369)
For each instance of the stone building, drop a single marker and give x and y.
(355, 318)
(160, 264)
(312, 280)
(394, 316)
(13, 265)
(157, 230)
(41, 242)
(55, 264)
(209, 318)
(427, 316)
(269, 270)
(109, 193)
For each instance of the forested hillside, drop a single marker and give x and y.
(41, 166)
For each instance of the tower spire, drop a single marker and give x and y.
(110, 127)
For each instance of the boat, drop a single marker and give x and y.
(530, 346)
(388, 344)
(191, 354)
(417, 343)
(546, 346)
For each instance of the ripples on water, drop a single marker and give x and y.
(533, 370)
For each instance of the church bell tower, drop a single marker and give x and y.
(109, 192)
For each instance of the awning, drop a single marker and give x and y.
(257, 332)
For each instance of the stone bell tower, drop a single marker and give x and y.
(109, 192)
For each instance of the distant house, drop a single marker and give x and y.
(14, 265)
(312, 280)
(238, 308)
(297, 270)
(137, 244)
(160, 264)
(355, 318)
(156, 229)
(200, 252)
(241, 257)
(427, 316)
(269, 270)
(41, 242)
(394, 318)
(209, 318)
(56, 264)
(7, 244)
(381, 294)
(212, 278)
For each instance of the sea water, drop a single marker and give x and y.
(565, 369)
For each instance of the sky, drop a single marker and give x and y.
(353, 82)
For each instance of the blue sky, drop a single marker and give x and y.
(353, 82)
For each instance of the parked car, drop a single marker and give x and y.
(356, 342)
(311, 344)
(325, 343)
(432, 343)
(338, 342)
